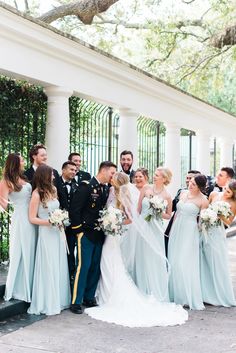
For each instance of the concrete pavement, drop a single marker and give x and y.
(208, 331)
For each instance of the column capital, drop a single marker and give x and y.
(128, 112)
(58, 91)
(172, 127)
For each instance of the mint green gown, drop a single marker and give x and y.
(22, 247)
(51, 289)
(216, 282)
(150, 269)
(183, 255)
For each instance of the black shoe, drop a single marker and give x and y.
(76, 309)
(90, 303)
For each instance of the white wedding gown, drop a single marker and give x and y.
(121, 302)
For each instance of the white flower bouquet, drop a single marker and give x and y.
(111, 221)
(222, 208)
(59, 218)
(208, 219)
(157, 206)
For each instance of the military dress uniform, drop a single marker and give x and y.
(81, 175)
(88, 200)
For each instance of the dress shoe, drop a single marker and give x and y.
(90, 303)
(76, 309)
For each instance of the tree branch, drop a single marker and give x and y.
(226, 37)
(85, 10)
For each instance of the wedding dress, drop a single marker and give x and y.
(120, 301)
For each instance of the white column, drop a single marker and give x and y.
(128, 134)
(172, 155)
(226, 152)
(203, 152)
(58, 126)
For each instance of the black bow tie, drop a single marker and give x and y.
(67, 183)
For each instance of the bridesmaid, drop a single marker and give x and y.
(14, 187)
(151, 274)
(184, 285)
(216, 283)
(141, 178)
(51, 288)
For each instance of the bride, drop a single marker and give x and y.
(120, 301)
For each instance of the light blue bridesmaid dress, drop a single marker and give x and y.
(51, 289)
(216, 283)
(183, 255)
(22, 247)
(150, 268)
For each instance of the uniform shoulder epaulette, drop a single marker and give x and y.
(85, 181)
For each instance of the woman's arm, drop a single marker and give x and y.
(167, 214)
(33, 210)
(141, 196)
(204, 204)
(4, 192)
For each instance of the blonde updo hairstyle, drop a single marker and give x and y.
(166, 173)
(120, 181)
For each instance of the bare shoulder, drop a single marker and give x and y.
(205, 202)
(35, 195)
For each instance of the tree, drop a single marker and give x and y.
(181, 42)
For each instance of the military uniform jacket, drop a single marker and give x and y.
(87, 201)
(81, 175)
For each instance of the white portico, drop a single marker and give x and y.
(63, 65)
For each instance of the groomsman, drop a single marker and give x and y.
(38, 156)
(80, 174)
(223, 177)
(88, 200)
(66, 189)
(126, 162)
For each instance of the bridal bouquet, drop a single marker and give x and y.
(222, 208)
(111, 221)
(208, 219)
(157, 206)
(59, 218)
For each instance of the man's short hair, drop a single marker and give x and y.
(34, 151)
(71, 155)
(193, 171)
(106, 164)
(123, 153)
(229, 171)
(65, 164)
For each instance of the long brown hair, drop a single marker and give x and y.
(42, 181)
(12, 172)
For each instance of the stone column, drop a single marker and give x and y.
(226, 152)
(203, 152)
(172, 155)
(128, 134)
(58, 126)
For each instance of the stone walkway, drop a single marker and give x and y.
(208, 331)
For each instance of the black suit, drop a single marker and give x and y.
(65, 199)
(29, 173)
(130, 174)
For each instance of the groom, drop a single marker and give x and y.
(88, 200)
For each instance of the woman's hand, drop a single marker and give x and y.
(127, 221)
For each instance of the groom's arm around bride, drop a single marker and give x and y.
(88, 200)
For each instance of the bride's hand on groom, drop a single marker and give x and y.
(127, 221)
